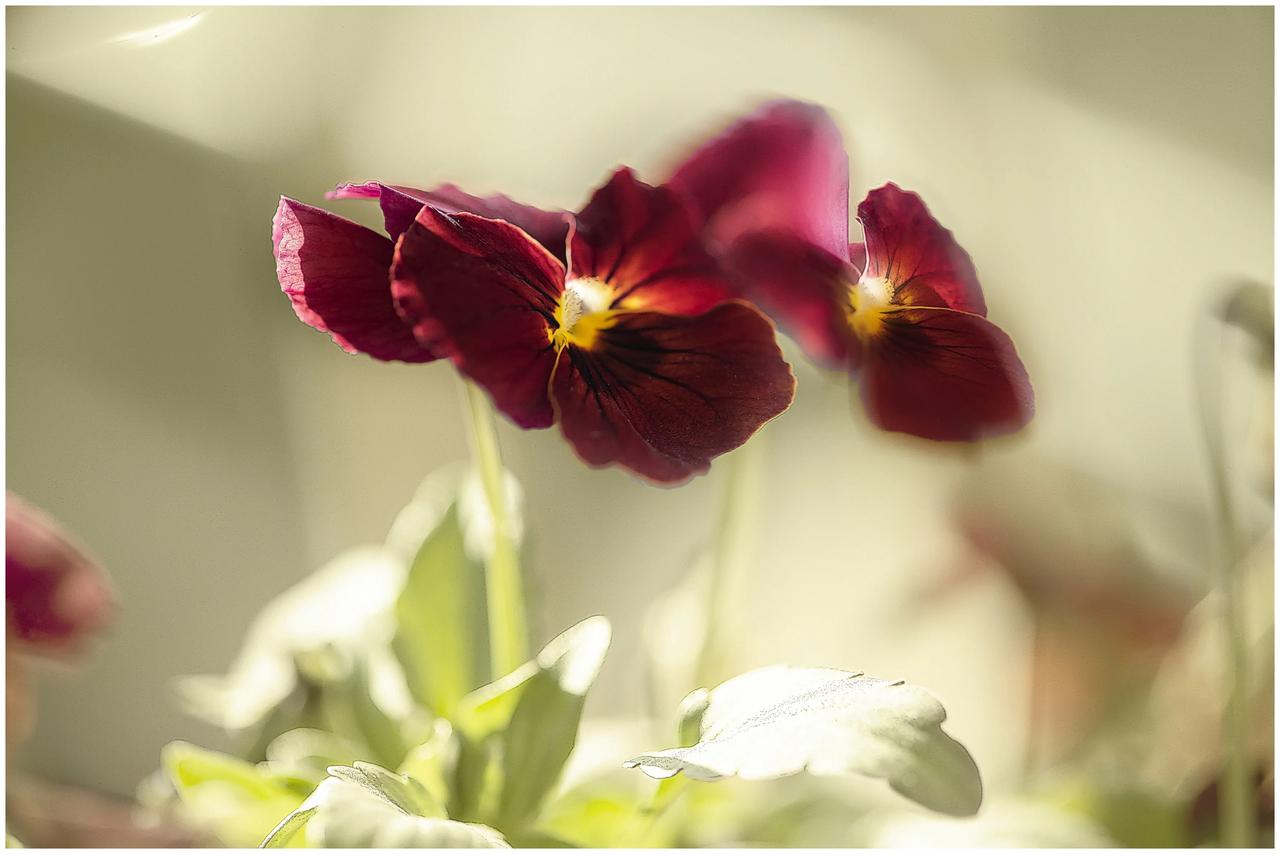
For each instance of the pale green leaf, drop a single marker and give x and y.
(441, 636)
(237, 801)
(544, 725)
(779, 721)
(339, 614)
(342, 813)
(488, 709)
(288, 828)
(432, 762)
(404, 793)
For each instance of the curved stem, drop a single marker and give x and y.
(1235, 792)
(504, 590)
(730, 548)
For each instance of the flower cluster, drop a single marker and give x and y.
(636, 323)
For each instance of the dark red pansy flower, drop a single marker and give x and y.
(337, 272)
(903, 310)
(626, 338)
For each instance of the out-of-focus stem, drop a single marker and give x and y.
(508, 632)
(1235, 797)
(730, 548)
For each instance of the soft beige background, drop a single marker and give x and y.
(1104, 167)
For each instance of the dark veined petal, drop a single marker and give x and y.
(336, 274)
(945, 375)
(483, 293)
(783, 166)
(803, 288)
(642, 241)
(906, 246)
(401, 204)
(662, 395)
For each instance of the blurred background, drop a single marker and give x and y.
(1109, 170)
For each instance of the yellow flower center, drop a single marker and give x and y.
(869, 299)
(582, 312)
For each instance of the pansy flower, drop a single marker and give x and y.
(902, 310)
(628, 339)
(336, 272)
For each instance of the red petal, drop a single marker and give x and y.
(641, 240)
(803, 288)
(483, 293)
(56, 598)
(401, 204)
(662, 395)
(945, 375)
(335, 273)
(907, 246)
(784, 166)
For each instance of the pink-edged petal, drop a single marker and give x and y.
(783, 166)
(920, 258)
(803, 288)
(483, 293)
(400, 205)
(945, 375)
(643, 242)
(336, 274)
(662, 395)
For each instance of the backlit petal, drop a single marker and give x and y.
(642, 241)
(662, 395)
(336, 274)
(920, 258)
(945, 375)
(483, 293)
(401, 204)
(783, 167)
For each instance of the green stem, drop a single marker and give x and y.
(1235, 792)
(729, 555)
(508, 632)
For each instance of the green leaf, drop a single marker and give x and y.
(237, 801)
(288, 828)
(353, 810)
(308, 753)
(441, 635)
(432, 762)
(544, 725)
(778, 721)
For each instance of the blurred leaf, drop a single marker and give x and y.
(544, 726)
(351, 710)
(432, 762)
(441, 637)
(518, 731)
(308, 752)
(237, 801)
(321, 626)
(592, 818)
(405, 793)
(444, 535)
(489, 708)
(778, 721)
(365, 807)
